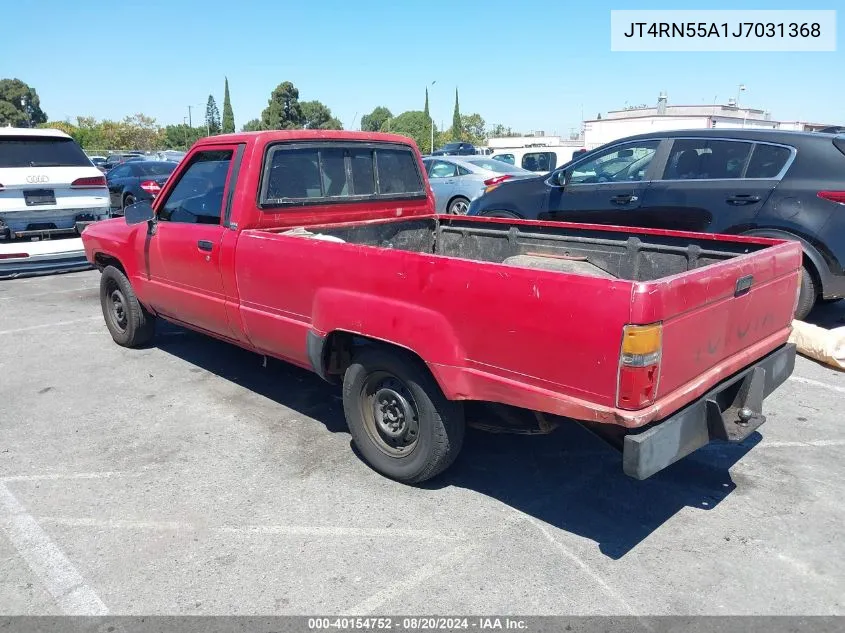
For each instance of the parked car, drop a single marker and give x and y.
(48, 187)
(771, 183)
(322, 248)
(458, 180)
(541, 160)
(172, 155)
(137, 180)
(455, 149)
(114, 160)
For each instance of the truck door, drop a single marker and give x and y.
(182, 254)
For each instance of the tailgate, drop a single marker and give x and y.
(722, 316)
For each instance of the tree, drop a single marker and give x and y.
(473, 129)
(181, 136)
(253, 126)
(456, 120)
(228, 115)
(414, 124)
(317, 116)
(283, 111)
(212, 117)
(426, 103)
(19, 105)
(374, 121)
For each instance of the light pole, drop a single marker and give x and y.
(431, 118)
(739, 91)
(23, 107)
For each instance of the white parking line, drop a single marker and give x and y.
(46, 560)
(798, 444)
(816, 383)
(60, 476)
(280, 530)
(49, 325)
(410, 582)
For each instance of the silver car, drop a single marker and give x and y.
(456, 180)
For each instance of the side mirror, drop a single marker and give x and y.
(561, 177)
(139, 213)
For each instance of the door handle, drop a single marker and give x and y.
(205, 245)
(624, 198)
(742, 198)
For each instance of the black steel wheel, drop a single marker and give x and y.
(401, 423)
(130, 323)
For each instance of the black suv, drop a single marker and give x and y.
(455, 149)
(770, 183)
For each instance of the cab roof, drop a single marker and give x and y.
(269, 136)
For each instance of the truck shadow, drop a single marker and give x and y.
(569, 479)
(829, 315)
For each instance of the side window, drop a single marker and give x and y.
(463, 171)
(539, 161)
(767, 161)
(441, 169)
(695, 159)
(197, 197)
(620, 164)
(505, 158)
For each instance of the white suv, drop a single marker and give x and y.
(48, 186)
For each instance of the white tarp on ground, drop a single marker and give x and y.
(825, 346)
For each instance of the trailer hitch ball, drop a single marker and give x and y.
(745, 414)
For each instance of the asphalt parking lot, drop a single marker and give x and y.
(187, 478)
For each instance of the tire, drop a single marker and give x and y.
(458, 206)
(501, 214)
(127, 200)
(418, 434)
(808, 295)
(129, 323)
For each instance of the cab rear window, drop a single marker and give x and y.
(44, 151)
(325, 173)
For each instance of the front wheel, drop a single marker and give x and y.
(129, 323)
(402, 424)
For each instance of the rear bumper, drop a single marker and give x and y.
(44, 264)
(48, 223)
(731, 411)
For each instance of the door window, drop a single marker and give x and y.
(767, 161)
(120, 172)
(442, 169)
(505, 158)
(697, 159)
(197, 197)
(620, 164)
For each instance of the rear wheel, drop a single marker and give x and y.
(402, 424)
(808, 295)
(458, 206)
(129, 323)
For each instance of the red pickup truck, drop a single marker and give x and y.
(321, 248)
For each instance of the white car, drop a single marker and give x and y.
(48, 186)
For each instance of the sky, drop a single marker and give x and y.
(529, 66)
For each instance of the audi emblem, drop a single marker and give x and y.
(34, 180)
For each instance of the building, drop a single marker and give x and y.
(644, 119)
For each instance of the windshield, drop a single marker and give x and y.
(155, 168)
(498, 166)
(33, 151)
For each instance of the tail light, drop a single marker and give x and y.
(639, 365)
(151, 187)
(94, 182)
(492, 183)
(13, 255)
(833, 196)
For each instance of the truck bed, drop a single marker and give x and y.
(525, 313)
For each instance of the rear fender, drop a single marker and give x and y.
(423, 331)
